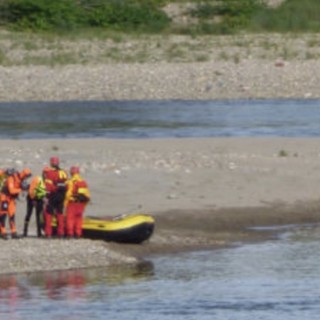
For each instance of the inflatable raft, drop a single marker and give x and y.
(132, 228)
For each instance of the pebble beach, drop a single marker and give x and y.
(219, 185)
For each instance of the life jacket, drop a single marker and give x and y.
(37, 188)
(55, 179)
(80, 192)
(12, 185)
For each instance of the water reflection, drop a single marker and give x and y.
(276, 279)
(68, 285)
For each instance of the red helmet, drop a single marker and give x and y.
(74, 170)
(54, 161)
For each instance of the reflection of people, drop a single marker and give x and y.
(10, 191)
(36, 194)
(74, 280)
(77, 197)
(55, 183)
(9, 291)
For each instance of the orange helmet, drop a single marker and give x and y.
(74, 170)
(54, 161)
(25, 173)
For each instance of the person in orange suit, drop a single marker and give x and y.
(77, 197)
(55, 183)
(12, 187)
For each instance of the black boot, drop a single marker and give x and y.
(25, 229)
(39, 234)
(4, 236)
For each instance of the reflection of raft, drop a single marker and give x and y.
(133, 228)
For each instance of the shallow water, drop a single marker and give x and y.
(150, 119)
(277, 279)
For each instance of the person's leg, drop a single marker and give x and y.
(60, 227)
(60, 216)
(12, 213)
(30, 205)
(39, 212)
(78, 219)
(70, 220)
(3, 217)
(48, 213)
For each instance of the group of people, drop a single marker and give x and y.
(51, 194)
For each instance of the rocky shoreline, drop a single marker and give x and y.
(163, 81)
(263, 66)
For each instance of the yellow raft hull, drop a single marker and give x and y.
(132, 228)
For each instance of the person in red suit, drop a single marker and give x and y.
(77, 197)
(55, 183)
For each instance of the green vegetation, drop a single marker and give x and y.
(66, 15)
(149, 16)
(291, 16)
(232, 16)
(226, 16)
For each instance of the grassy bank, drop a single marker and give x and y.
(154, 16)
(243, 31)
(20, 49)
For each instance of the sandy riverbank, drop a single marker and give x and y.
(202, 192)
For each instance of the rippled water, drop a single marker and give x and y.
(278, 279)
(149, 119)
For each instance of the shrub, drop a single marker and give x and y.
(43, 14)
(71, 14)
(292, 15)
(128, 15)
(234, 14)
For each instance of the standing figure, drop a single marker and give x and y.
(35, 200)
(55, 183)
(77, 197)
(10, 191)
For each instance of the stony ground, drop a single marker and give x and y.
(172, 67)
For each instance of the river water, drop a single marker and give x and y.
(276, 279)
(151, 119)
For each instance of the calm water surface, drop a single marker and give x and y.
(277, 279)
(150, 119)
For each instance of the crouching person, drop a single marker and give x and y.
(77, 197)
(12, 187)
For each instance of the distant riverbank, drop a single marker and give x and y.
(221, 80)
(173, 67)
